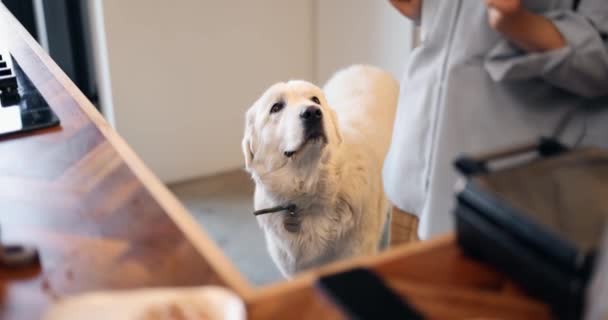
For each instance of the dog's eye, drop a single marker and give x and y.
(277, 107)
(315, 100)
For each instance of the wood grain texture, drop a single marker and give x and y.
(99, 217)
(433, 276)
(404, 227)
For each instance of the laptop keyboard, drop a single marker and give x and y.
(22, 107)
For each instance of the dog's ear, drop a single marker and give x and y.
(247, 143)
(334, 119)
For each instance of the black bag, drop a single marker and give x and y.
(540, 221)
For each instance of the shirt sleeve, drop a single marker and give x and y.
(580, 67)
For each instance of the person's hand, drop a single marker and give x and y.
(408, 8)
(529, 31)
(502, 12)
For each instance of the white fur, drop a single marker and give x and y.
(337, 184)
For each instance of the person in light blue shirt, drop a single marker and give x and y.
(489, 74)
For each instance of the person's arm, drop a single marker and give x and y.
(529, 31)
(408, 8)
(566, 48)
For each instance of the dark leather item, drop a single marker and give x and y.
(540, 220)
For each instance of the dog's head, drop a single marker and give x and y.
(290, 123)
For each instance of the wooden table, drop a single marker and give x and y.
(99, 217)
(434, 276)
(102, 220)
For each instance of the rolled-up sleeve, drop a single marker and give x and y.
(580, 67)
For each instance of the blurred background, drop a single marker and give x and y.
(175, 78)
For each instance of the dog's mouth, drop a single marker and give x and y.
(311, 138)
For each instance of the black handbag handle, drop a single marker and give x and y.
(472, 165)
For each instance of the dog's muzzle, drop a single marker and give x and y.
(312, 119)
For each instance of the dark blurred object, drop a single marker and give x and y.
(361, 294)
(17, 256)
(24, 11)
(596, 307)
(62, 28)
(539, 219)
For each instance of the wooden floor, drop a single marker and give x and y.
(404, 228)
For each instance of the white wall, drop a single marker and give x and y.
(360, 31)
(182, 73)
(177, 76)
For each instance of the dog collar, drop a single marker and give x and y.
(290, 208)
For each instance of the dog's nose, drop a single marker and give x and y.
(311, 113)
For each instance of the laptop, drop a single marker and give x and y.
(22, 107)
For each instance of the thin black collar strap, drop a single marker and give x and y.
(290, 208)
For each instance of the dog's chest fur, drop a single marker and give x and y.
(320, 230)
(315, 235)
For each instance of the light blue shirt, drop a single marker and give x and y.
(466, 90)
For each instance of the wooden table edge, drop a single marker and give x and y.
(299, 287)
(198, 237)
(307, 278)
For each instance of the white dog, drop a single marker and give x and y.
(316, 158)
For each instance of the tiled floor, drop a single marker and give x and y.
(223, 206)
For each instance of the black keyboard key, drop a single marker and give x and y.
(8, 84)
(5, 71)
(9, 99)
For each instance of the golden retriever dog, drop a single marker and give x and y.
(316, 158)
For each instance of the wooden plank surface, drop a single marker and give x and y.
(99, 217)
(433, 276)
(404, 227)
